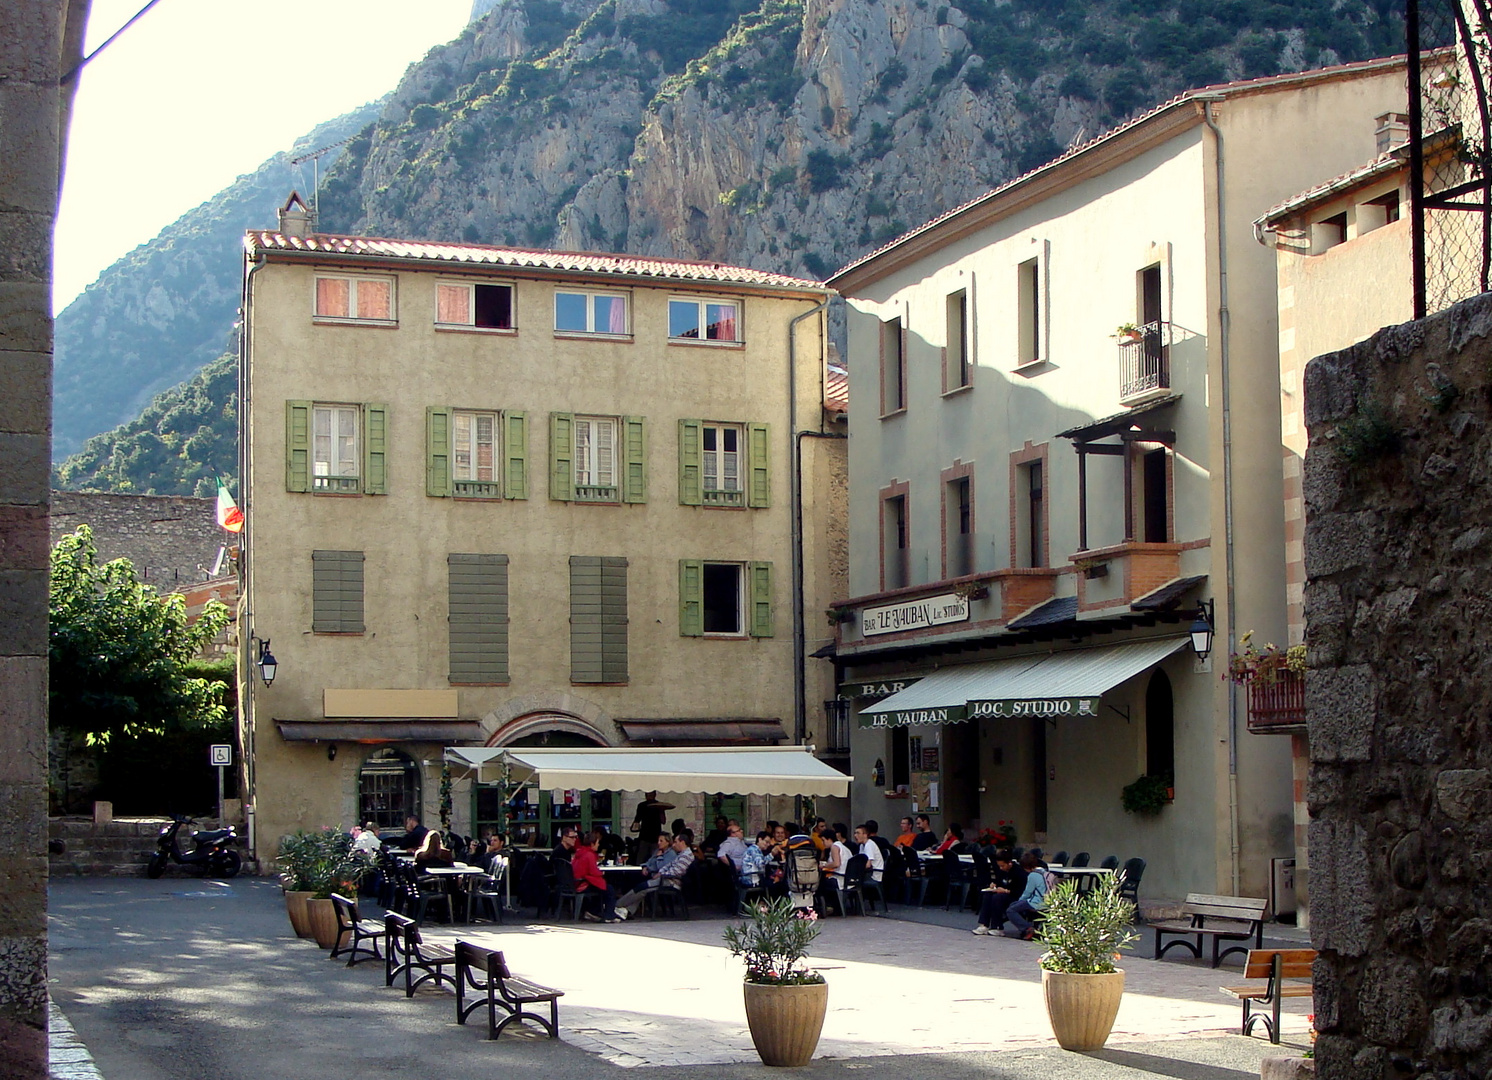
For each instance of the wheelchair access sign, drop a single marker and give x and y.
(220, 754)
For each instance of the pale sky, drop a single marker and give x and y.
(199, 92)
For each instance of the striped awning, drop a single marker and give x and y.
(1051, 684)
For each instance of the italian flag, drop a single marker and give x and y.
(230, 517)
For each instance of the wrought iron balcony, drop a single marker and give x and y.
(1277, 705)
(1145, 363)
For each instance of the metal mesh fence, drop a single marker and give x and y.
(1450, 75)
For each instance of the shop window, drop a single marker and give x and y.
(388, 789)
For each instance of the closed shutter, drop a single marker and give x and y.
(375, 453)
(438, 450)
(634, 460)
(758, 467)
(478, 618)
(515, 453)
(297, 446)
(691, 597)
(562, 456)
(598, 619)
(759, 590)
(691, 463)
(337, 592)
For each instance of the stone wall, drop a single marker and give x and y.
(1399, 696)
(172, 540)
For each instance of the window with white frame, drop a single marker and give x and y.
(721, 456)
(474, 446)
(595, 451)
(723, 599)
(355, 299)
(336, 456)
(590, 313)
(704, 320)
(472, 304)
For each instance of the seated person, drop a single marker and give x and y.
(589, 881)
(755, 862)
(1007, 882)
(835, 862)
(493, 857)
(716, 836)
(1022, 913)
(952, 838)
(565, 849)
(433, 853)
(414, 835)
(733, 848)
(908, 835)
(367, 841)
(670, 877)
(662, 855)
(779, 841)
(875, 859)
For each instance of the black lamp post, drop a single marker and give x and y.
(267, 663)
(1202, 629)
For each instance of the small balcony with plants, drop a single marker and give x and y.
(1275, 680)
(1144, 361)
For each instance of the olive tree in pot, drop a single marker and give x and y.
(785, 1002)
(1083, 933)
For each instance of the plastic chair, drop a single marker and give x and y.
(745, 894)
(486, 894)
(868, 889)
(1060, 858)
(1110, 862)
(959, 876)
(1080, 859)
(1129, 886)
(564, 891)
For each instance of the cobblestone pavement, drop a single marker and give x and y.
(187, 979)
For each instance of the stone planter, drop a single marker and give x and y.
(1287, 1068)
(295, 907)
(1082, 1008)
(786, 1021)
(323, 919)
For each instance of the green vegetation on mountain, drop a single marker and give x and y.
(183, 439)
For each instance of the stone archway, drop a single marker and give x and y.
(524, 717)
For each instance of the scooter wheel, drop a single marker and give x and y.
(226, 864)
(156, 866)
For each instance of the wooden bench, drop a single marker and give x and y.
(350, 926)
(405, 953)
(500, 989)
(1221, 918)
(1275, 966)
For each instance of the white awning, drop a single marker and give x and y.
(1065, 683)
(744, 770)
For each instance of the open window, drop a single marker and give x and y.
(470, 304)
(959, 507)
(893, 367)
(1030, 514)
(1028, 312)
(960, 365)
(894, 569)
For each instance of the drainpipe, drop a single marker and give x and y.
(246, 616)
(795, 450)
(1224, 319)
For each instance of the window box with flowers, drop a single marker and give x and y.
(1275, 679)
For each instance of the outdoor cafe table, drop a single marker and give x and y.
(929, 857)
(453, 876)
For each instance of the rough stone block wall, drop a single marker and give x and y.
(172, 540)
(1398, 548)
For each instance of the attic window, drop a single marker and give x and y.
(1376, 213)
(1329, 233)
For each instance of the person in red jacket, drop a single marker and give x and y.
(589, 881)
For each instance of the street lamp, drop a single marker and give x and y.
(1202, 630)
(267, 663)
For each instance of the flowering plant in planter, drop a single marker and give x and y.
(1001, 836)
(774, 940)
(1084, 932)
(1266, 665)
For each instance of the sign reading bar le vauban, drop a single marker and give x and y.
(914, 614)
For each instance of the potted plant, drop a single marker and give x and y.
(1128, 333)
(324, 863)
(785, 1002)
(1083, 933)
(1268, 665)
(297, 856)
(1148, 795)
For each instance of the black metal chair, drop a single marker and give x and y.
(1080, 859)
(1129, 885)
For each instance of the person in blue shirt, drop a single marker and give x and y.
(1032, 899)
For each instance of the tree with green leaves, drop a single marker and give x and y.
(120, 652)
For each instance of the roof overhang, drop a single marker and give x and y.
(763, 770)
(711, 731)
(380, 730)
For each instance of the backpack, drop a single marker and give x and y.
(1050, 879)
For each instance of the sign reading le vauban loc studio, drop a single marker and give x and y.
(975, 710)
(914, 614)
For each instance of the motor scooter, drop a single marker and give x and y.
(210, 850)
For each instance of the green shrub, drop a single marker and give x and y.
(1083, 932)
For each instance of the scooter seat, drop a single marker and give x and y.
(212, 836)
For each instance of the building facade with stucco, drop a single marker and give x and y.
(498, 497)
(1065, 455)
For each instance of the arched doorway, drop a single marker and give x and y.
(388, 789)
(1160, 728)
(534, 817)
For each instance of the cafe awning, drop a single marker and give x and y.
(1066, 683)
(745, 770)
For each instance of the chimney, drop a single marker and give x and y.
(1393, 131)
(296, 218)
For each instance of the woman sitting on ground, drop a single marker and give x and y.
(433, 853)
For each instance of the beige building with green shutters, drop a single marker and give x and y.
(500, 497)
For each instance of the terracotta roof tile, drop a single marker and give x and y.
(581, 262)
(837, 390)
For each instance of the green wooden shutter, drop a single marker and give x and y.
(585, 619)
(758, 467)
(759, 589)
(337, 592)
(375, 449)
(478, 597)
(613, 620)
(438, 451)
(515, 449)
(691, 462)
(297, 446)
(634, 460)
(691, 597)
(562, 456)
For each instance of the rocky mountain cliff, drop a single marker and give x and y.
(167, 308)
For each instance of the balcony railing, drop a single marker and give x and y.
(340, 485)
(596, 493)
(1278, 705)
(724, 498)
(478, 489)
(1145, 362)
